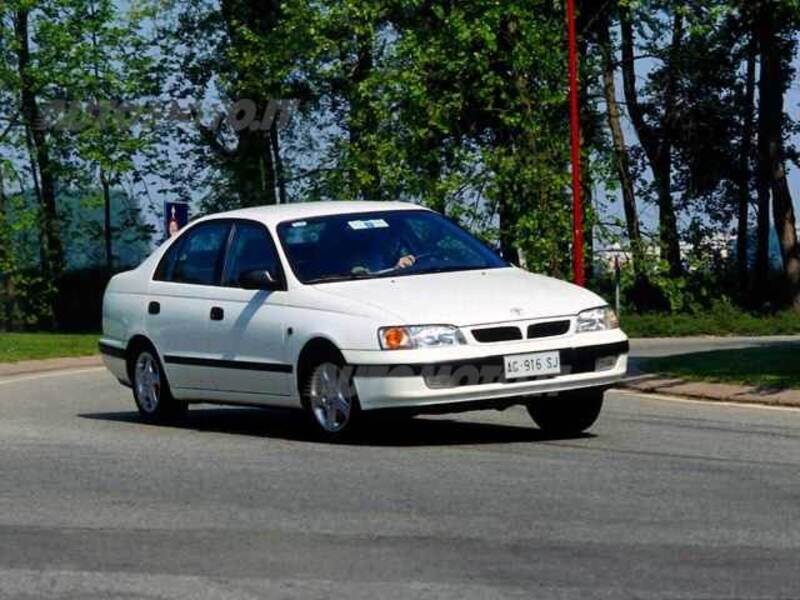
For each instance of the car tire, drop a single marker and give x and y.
(569, 413)
(330, 399)
(151, 389)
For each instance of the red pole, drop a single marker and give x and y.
(579, 275)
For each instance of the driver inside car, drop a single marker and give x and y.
(377, 252)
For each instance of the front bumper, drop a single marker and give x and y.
(479, 378)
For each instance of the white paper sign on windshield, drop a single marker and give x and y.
(368, 224)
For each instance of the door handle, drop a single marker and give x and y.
(154, 308)
(217, 314)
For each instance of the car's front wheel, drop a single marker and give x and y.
(569, 413)
(331, 400)
(151, 390)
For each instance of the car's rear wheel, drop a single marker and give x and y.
(569, 413)
(151, 389)
(331, 400)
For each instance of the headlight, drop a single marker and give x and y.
(597, 319)
(420, 336)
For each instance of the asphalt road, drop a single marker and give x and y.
(665, 499)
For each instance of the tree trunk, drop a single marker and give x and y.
(761, 272)
(786, 226)
(589, 135)
(107, 221)
(657, 142)
(588, 228)
(432, 165)
(772, 172)
(253, 168)
(362, 121)
(37, 190)
(250, 165)
(762, 265)
(621, 159)
(6, 298)
(53, 265)
(280, 176)
(669, 241)
(743, 183)
(508, 238)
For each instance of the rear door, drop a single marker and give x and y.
(181, 295)
(246, 338)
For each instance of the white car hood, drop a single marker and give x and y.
(466, 297)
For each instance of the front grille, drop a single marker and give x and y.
(553, 328)
(491, 335)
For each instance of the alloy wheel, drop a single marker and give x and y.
(147, 382)
(330, 398)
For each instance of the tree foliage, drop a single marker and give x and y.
(461, 106)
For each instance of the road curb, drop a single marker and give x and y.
(715, 392)
(32, 367)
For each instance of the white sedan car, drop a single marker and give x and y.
(347, 308)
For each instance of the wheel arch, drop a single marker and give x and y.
(314, 349)
(135, 344)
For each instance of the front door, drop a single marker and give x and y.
(246, 333)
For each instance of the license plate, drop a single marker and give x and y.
(532, 365)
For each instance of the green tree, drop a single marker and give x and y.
(655, 120)
(243, 55)
(103, 66)
(600, 29)
(25, 78)
(467, 112)
(28, 76)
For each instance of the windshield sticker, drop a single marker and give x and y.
(368, 224)
(299, 223)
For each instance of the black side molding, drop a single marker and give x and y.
(110, 350)
(228, 364)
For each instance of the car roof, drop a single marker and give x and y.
(272, 215)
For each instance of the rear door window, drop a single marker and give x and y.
(197, 257)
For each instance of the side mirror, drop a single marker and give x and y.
(259, 280)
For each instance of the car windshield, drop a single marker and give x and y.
(380, 244)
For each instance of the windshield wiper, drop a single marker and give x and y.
(450, 269)
(395, 272)
(334, 278)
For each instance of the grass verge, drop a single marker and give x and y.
(15, 347)
(722, 323)
(775, 366)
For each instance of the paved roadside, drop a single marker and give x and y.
(26, 367)
(722, 392)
